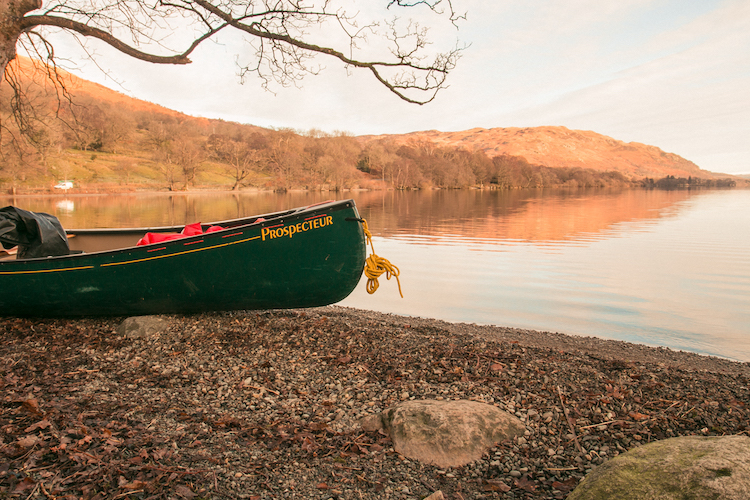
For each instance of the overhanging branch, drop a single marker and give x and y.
(30, 22)
(437, 72)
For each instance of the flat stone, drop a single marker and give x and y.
(448, 433)
(695, 467)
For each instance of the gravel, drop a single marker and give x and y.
(261, 405)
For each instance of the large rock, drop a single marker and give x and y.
(695, 467)
(137, 327)
(448, 433)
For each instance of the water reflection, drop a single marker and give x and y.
(518, 216)
(544, 216)
(65, 206)
(159, 209)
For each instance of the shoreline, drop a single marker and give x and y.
(127, 190)
(610, 349)
(266, 404)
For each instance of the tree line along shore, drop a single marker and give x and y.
(157, 155)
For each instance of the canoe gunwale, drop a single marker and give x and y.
(242, 223)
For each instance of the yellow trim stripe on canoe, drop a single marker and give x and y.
(47, 270)
(129, 261)
(180, 253)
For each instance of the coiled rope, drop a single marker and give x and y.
(375, 266)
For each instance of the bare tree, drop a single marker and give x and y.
(285, 157)
(336, 166)
(160, 139)
(240, 156)
(284, 36)
(189, 155)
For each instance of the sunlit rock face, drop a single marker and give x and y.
(448, 433)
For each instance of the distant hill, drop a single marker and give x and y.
(107, 141)
(78, 87)
(560, 147)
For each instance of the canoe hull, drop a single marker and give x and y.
(310, 257)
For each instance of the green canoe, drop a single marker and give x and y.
(304, 257)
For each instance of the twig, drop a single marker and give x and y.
(176, 471)
(261, 389)
(427, 485)
(78, 371)
(36, 487)
(363, 367)
(601, 423)
(686, 412)
(570, 423)
(123, 495)
(44, 490)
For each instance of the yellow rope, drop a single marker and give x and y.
(375, 266)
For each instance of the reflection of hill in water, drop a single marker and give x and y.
(162, 209)
(520, 215)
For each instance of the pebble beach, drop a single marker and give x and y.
(267, 404)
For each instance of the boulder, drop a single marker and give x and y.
(138, 327)
(694, 467)
(446, 433)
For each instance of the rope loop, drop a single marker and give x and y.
(375, 266)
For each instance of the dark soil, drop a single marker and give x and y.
(264, 405)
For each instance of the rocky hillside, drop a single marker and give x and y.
(560, 147)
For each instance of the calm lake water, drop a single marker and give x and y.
(661, 268)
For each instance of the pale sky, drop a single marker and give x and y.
(670, 73)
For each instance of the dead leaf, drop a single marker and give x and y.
(184, 491)
(42, 424)
(32, 405)
(309, 445)
(525, 484)
(113, 441)
(565, 486)
(85, 440)
(24, 485)
(28, 441)
(135, 485)
(637, 416)
(495, 485)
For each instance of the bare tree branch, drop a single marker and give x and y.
(30, 22)
(278, 26)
